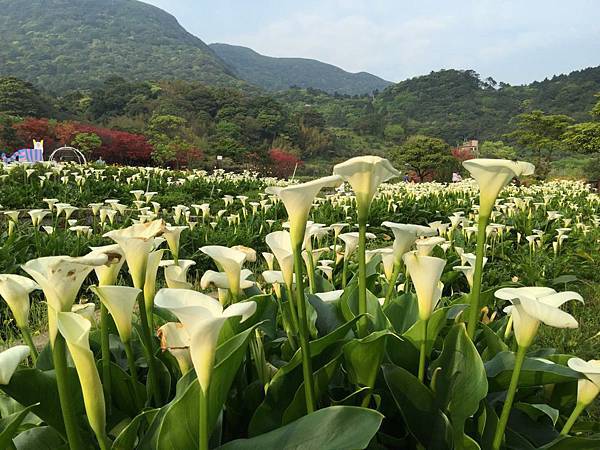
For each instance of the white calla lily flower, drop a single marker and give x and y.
(298, 200)
(10, 360)
(176, 273)
(137, 241)
(405, 235)
(175, 339)
(108, 273)
(61, 277)
(365, 174)
(534, 305)
(203, 317)
(492, 175)
(330, 296)
(120, 301)
(425, 272)
(230, 261)
(15, 290)
(76, 329)
(588, 387)
(281, 245)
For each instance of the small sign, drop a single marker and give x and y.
(219, 158)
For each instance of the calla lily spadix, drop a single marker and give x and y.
(298, 200)
(365, 174)
(119, 300)
(61, 277)
(534, 305)
(230, 261)
(203, 317)
(10, 360)
(75, 329)
(15, 290)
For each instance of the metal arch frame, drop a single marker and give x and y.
(77, 152)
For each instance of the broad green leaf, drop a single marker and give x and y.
(9, 426)
(40, 438)
(363, 357)
(436, 322)
(31, 386)
(127, 438)
(402, 311)
(537, 410)
(328, 315)
(349, 308)
(535, 372)
(574, 443)
(403, 353)
(425, 421)
(122, 394)
(459, 380)
(494, 344)
(288, 378)
(333, 428)
(322, 378)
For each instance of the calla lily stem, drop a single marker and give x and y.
(203, 436)
(477, 276)
(27, 338)
(59, 357)
(147, 338)
(132, 373)
(307, 371)
(362, 277)
(392, 284)
(423, 350)
(510, 396)
(579, 408)
(105, 348)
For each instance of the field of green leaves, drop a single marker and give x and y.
(145, 308)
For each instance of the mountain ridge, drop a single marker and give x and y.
(280, 73)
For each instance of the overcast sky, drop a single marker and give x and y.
(515, 41)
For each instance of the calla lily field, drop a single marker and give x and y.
(149, 308)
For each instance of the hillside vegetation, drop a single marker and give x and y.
(276, 74)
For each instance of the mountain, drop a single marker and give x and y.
(276, 74)
(65, 44)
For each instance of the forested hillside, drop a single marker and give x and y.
(276, 74)
(67, 44)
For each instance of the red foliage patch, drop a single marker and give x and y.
(283, 163)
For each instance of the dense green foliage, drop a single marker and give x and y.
(276, 74)
(66, 44)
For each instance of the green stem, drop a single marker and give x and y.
(344, 273)
(477, 276)
(423, 350)
(147, 341)
(311, 271)
(362, 277)
(293, 312)
(579, 408)
(307, 371)
(27, 338)
(132, 373)
(392, 283)
(203, 435)
(59, 357)
(510, 396)
(105, 348)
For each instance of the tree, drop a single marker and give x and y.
(20, 98)
(87, 143)
(541, 132)
(497, 149)
(583, 137)
(283, 163)
(394, 132)
(423, 154)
